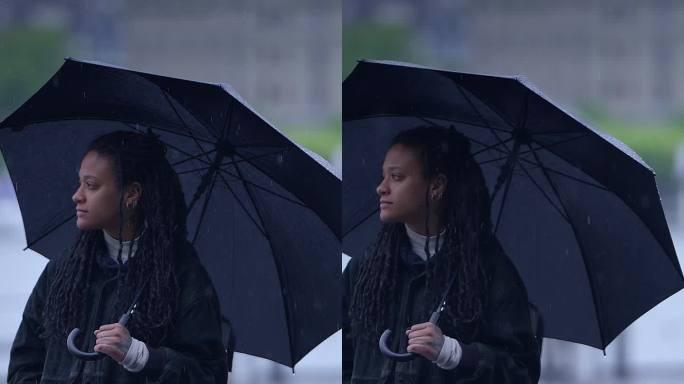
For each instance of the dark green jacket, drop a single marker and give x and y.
(193, 351)
(505, 350)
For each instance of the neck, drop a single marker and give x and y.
(434, 226)
(128, 232)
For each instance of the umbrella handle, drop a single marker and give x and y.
(89, 356)
(402, 357)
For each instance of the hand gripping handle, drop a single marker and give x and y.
(89, 356)
(406, 356)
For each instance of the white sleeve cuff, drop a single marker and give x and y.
(136, 357)
(450, 355)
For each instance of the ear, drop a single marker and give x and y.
(438, 186)
(132, 194)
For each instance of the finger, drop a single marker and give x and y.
(423, 350)
(422, 332)
(110, 351)
(109, 341)
(107, 327)
(421, 340)
(416, 327)
(114, 332)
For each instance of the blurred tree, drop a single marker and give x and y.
(29, 57)
(323, 140)
(375, 41)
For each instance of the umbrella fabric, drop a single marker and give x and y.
(576, 210)
(263, 212)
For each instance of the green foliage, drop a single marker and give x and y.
(324, 140)
(375, 41)
(656, 143)
(29, 57)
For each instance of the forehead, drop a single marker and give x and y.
(96, 165)
(401, 156)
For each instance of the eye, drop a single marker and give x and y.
(397, 176)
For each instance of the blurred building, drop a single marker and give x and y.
(284, 58)
(622, 57)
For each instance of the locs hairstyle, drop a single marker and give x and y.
(467, 224)
(160, 213)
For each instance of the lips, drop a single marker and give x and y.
(81, 212)
(385, 204)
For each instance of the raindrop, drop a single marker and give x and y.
(589, 220)
(280, 159)
(84, 94)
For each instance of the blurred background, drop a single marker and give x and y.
(284, 58)
(614, 63)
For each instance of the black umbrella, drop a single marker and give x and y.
(263, 212)
(576, 210)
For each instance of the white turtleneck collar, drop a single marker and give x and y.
(113, 247)
(418, 242)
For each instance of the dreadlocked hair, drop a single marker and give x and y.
(160, 213)
(465, 217)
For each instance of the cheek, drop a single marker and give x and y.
(104, 204)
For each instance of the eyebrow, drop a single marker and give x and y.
(87, 177)
(394, 168)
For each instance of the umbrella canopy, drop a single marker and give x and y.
(576, 210)
(263, 212)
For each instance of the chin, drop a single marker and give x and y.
(85, 226)
(388, 218)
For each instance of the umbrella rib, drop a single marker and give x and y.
(265, 189)
(244, 159)
(574, 178)
(541, 146)
(244, 208)
(560, 212)
(279, 268)
(230, 162)
(484, 121)
(193, 157)
(253, 184)
(579, 244)
(168, 100)
(379, 115)
(503, 198)
(227, 122)
(360, 222)
(130, 125)
(493, 146)
(204, 208)
(501, 115)
(478, 142)
(48, 231)
(186, 126)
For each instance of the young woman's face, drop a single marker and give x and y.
(403, 186)
(97, 197)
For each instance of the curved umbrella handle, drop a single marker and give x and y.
(402, 357)
(89, 356)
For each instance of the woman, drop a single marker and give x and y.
(131, 249)
(436, 245)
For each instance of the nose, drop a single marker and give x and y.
(78, 196)
(382, 189)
